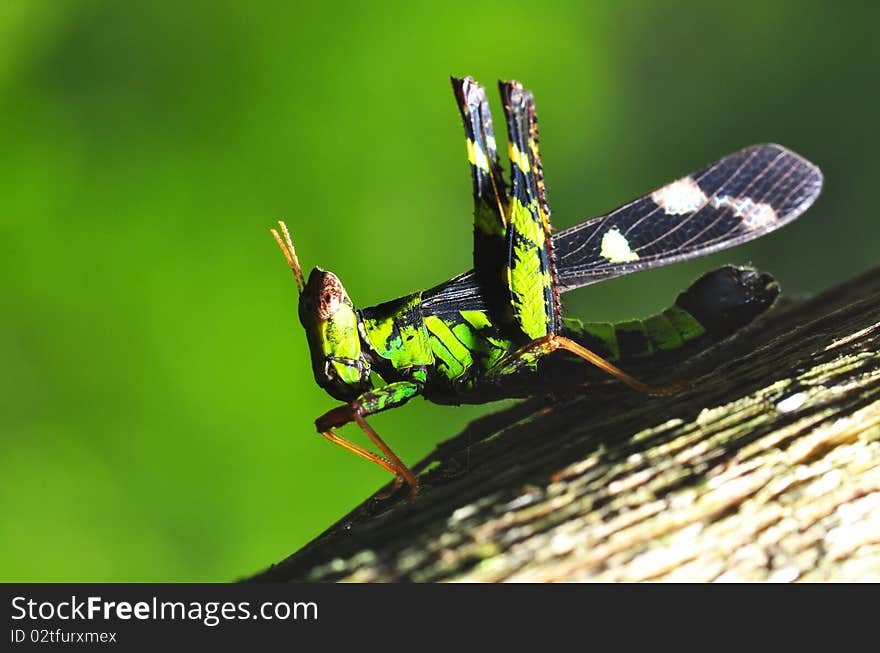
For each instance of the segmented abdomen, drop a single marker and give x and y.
(713, 307)
(633, 339)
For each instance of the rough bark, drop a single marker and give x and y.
(767, 468)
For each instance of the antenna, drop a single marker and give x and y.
(287, 247)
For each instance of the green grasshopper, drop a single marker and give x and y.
(498, 331)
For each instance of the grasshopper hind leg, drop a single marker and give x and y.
(531, 353)
(713, 307)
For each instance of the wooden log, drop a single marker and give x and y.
(766, 469)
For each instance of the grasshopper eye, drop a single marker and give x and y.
(328, 305)
(329, 297)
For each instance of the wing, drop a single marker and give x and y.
(741, 197)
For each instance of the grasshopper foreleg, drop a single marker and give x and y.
(374, 401)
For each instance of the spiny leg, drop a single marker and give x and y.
(368, 455)
(591, 357)
(335, 438)
(374, 401)
(404, 474)
(390, 462)
(530, 353)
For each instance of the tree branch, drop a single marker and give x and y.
(768, 468)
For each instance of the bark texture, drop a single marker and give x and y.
(766, 469)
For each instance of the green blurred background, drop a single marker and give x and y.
(156, 397)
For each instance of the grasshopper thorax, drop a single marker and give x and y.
(331, 325)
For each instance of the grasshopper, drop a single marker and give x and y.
(498, 331)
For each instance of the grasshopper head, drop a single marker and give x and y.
(331, 323)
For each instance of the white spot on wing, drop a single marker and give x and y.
(679, 197)
(754, 214)
(615, 247)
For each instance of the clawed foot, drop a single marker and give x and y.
(390, 492)
(342, 415)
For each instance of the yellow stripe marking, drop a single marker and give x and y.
(476, 155)
(519, 158)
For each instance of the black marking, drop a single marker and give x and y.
(461, 293)
(632, 340)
